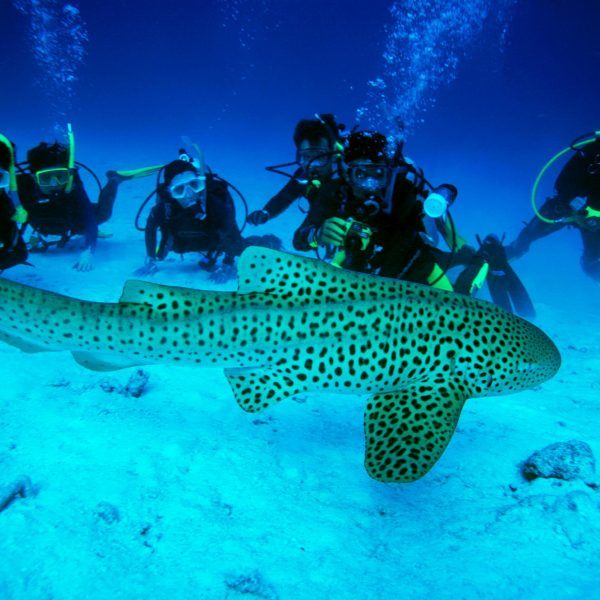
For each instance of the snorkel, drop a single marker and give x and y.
(198, 160)
(71, 163)
(577, 144)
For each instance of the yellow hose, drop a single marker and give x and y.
(546, 167)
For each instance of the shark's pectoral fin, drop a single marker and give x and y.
(407, 431)
(257, 389)
(21, 343)
(101, 362)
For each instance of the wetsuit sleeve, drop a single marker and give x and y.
(285, 197)
(305, 234)
(553, 208)
(86, 213)
(221, 211)
(26, 189)
(324, 202)
(151, 233)
(12, 248)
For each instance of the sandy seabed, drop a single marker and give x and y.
(178, 493)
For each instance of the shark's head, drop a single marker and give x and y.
(523, 355)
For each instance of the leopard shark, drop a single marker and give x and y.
(298, 325)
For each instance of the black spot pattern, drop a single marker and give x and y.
(407, 431)
(297, 324)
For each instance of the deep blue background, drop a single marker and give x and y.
(155, 71)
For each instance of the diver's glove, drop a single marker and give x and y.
(258, 217)
(85, 262)
(20, 215)
(148, 268)
(222, 273)
(333, 232)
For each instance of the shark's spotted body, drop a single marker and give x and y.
(296, 325)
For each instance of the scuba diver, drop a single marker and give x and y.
(575, 203)
(57, 203)
(318, 150)
(371, 219)
(194, 212)
(13, 250)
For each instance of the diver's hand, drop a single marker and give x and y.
(333, 232)
(258, 217)
(20, 215)
(85, 262)
(148, 268)
(222, 273)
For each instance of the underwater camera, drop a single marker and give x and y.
(358, 236)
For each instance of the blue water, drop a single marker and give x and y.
(502, 84)
(488, 91)
(496, 83)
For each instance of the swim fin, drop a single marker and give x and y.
(133, 173)
(505, 287)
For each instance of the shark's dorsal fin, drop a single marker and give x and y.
(257, 389)
(262, 270)
(407, 431)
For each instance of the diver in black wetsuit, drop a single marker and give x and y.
(576, 203)
(316, 153)
(54, 196)
(371, 219)
(195, 212)
(13, 250)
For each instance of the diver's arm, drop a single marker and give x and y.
(151, 234)
(280, 202)
(85, 261)
(305, 237)
(554, 208)
(285, 197)
(88, 216)
(220, 210)
(323, 206)
(26, 190)
(230, 241)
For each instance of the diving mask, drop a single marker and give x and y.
(54, 178)
(4, 179)
(190, 186)
(313, 156)
(369, 177)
